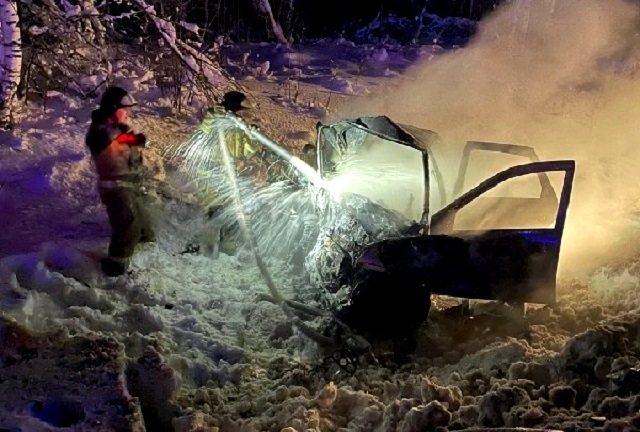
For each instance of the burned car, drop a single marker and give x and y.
(399, 223)
(392, 215)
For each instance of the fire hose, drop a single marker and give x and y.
(301, 166)
(352, 344)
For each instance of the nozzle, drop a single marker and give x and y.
(303, 168)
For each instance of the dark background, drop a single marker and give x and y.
(308, 19)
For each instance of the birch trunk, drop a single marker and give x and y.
(263, 7)
(10, 59)
(92, 23)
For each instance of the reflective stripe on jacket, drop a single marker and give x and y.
(115, 151)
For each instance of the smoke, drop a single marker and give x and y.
(555, 75)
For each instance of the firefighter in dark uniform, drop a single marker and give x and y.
(117, 154)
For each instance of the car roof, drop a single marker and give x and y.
(383, 126)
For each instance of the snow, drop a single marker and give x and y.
(186, 342)
(193, 28)
(337, 66)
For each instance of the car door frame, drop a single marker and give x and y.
(320, 127)
(442, 221)
(512, 149)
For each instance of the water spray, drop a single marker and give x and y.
(243, 220)
(205, 158)
(303, 168)
(351, 340)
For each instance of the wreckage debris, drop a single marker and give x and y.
(381, 251)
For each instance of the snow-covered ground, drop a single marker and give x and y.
(186, 343)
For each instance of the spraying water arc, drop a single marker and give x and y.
(356, 342)
(301, 166)
(245, 226)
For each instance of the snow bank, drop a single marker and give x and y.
(189, 339)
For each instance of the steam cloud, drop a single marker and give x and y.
(556, 75)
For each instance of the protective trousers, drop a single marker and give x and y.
(129, 220)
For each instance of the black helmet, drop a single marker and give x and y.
(114, 98)
(235, 101)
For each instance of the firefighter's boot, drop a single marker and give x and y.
(114, 267)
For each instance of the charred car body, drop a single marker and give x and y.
(392, 216)
(397, 225)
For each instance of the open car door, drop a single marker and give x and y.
(511, 243)
(511, 262)
(532, 192)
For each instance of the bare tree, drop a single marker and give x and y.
(66, 43)
(71, 46)
(10, 59)
(199, 65)
(263, 8)
(91, 24)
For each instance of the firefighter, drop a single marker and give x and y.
(117, 154)
(216, 238)
(239, 144)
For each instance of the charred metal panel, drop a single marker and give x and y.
(390, 265)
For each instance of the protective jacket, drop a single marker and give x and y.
(115, 148)
(238, 143)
